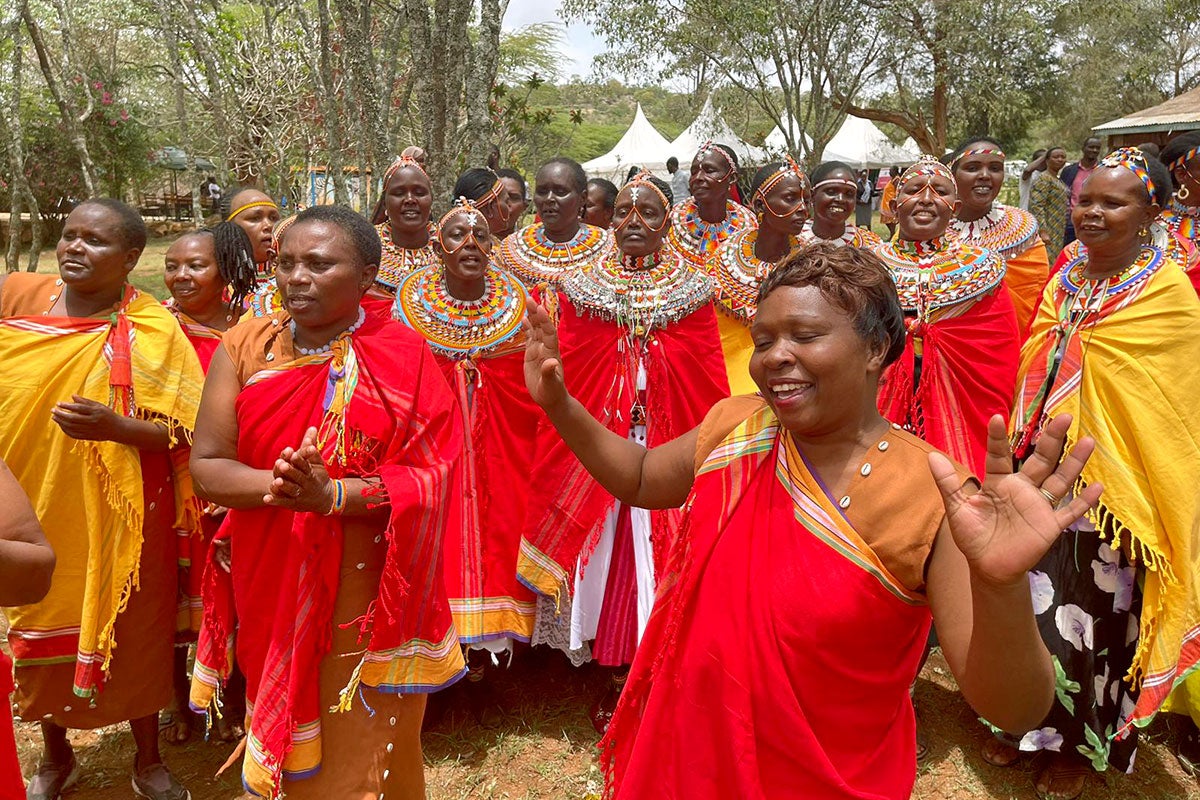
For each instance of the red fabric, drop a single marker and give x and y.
(378, 302)
(968, 374)
(772, 666)
(400, 427)
(488, 499)
(685, 377)
(119, 349)
(12, 786)
(617, 629)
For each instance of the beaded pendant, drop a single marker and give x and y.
(697, 240)
(939, 273)
(462, 328)
(852, 236)
(533, 258)
(1071, 279)
(1007, 230)
(642, 297)
(397, 263)
(736, 274)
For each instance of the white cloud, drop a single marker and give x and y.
(581, 45)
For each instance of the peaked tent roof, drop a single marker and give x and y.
(860, 144)
(641, 144)
(709, 126)
(1180, 113)
(776, 143)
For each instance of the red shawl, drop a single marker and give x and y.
(777, 661)
(400, 428)
(685, 377)
(968, 373)
(487, 508)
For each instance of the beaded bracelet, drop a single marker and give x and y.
(339, 499)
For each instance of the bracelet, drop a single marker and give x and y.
(339, 499)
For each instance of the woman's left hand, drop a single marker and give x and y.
(1006, 527)
(300, 481)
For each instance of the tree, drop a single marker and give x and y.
(21, 197)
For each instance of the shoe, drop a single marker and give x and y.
(51, 780)
(605, 706)
(156, 782)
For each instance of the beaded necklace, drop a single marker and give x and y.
(696, 239)
(460, 329)
(737, 272)
(1009, 231)
(396, 262)
(1184, 220)
(641, 295)
(532, 257)
(1071, 278)
(852, 236)
(328, 346)
(939, 273)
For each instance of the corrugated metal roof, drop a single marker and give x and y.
(1181, 112)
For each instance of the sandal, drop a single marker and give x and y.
(156, 782)
(999, 753)
(1068, 772)
(51, 780)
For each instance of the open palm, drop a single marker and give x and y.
(1005, 527)
(543, 362)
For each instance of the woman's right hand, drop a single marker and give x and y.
(543, 362)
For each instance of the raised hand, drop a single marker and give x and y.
(1006, 527)
(300, 480)
(543, 363)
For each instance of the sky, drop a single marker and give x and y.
(581, 44)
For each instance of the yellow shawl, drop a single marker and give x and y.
(88, 495)
(1137, 393)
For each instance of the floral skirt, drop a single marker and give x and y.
(1088, 601)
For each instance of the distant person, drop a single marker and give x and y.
(1073, 176)
(493, 159)
(600, 202)
(515, 199)
(862, 202)
(679, 180)
(1049, 198)
(1025, 183)
(887, 214)
(210, 190)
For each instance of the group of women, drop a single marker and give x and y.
(707, 442)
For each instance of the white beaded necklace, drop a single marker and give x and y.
(328, 346)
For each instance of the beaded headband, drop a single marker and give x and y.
(634, 185)
(788, 167)
(277, 233)
(1186, 157)
(400, 163)
(253, 204)
(835, 182)
(1134, 160)
(926, 165)
(987, 150)
(711, 147)
(462, 206)
(493, 194)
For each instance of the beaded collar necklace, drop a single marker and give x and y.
(533, 258)
(1071, 277)
(642, 296)
(696, 239)
(328, 346)
(852, 235)
(396, 263)
(460, 329)
(1184, 220)
(1009, 231)
(940, 272)
(737, 273)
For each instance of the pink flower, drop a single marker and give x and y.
(97, 85)
(106, 99)
(124, 114)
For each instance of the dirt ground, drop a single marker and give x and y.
(534, 742)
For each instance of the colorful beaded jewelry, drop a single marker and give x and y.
(535, 259)
(737, 272)
(1181, 219)
(939, 273)
(642, 295)
(852, 236)
(1071, 277)
(1007, 230)
(462, 328)
(695, 239)
(396, 263)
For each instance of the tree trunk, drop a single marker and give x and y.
(334, 143)
(21, 196)
(481, 76)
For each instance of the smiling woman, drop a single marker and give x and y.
(834, 191)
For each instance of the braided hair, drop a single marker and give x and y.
(235, 259)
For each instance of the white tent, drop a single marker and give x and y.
(776, 143)
(709, 126)
(642, 145)
(860, 144)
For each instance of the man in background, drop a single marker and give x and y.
(1073, 175)
(679, 180)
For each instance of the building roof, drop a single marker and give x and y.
(1180, 113)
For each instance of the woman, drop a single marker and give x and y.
(487, 192)
(834, 191)
(1115, 343)
(562, 243)
(515, 201)
(978, 167)
(401, 218)
(598, 209)
(330, 435)
(209, 273)
(470, 313)
(258, 215)
(703, 221)
(781, 201)
(789, 622)
(1049, 202)
(1181, 216)
(641, 328)
(960, 357)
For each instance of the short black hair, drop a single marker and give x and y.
(672, 163)
(132, 228)
(727, 150)
(227, 203)
(764, 172)
(608, 187)
(360, 232)
(659, 184)
(1178, 146)
(826, 169)
(965, 143)
(1164, 184)
(578, 176)
(1093, 137)
(474, 183)
(512, 174)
